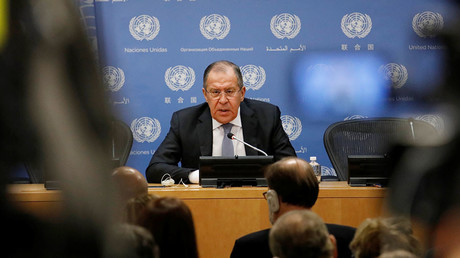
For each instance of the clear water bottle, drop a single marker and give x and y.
(316, 167)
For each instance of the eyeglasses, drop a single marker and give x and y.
(230, 93)
(265, 195)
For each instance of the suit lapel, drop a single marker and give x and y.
(249, 128)
(204, 132)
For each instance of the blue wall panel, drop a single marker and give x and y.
(270, 39)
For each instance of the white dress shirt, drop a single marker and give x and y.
(217, 137)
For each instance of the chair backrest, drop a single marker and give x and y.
(35, 174)
(370, 136)
(122, 142)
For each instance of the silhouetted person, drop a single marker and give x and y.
(135, 207)
(128, 240)
(171, 223)
(53, 112)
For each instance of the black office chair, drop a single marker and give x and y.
(35, 174)
(370, 136)
(122, 142)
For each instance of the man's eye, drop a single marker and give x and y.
(229, 91)
(215, 92)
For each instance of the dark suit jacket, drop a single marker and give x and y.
(256, 244)
(190, 136)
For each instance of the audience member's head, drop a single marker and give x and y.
(135, 206)
(380, 235)
(134, 241)
(292, 185)
(301, 233)
(397, 254)
(129, 183)
(171, 223)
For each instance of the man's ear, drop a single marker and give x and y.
(243, 92)
(334, 245)
(204, 94)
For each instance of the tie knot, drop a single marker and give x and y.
(227, 128)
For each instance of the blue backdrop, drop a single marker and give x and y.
(319, 61)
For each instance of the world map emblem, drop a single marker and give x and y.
(434, 120)
(180, 77)
(327, 171)
(356, 25)
(292, 126)
(253, 76)
(395, 73)
(144, 27)
(285, 25)
(145, 129)
(214, 26)
(427, 24)
(114, 78)
(353, 117)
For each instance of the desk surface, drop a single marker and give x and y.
(37, 192)
(223, 215)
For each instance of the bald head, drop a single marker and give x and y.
(294, 181)
(130, 182)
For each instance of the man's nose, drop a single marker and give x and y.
(223, 98)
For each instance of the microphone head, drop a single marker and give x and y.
(230, 135)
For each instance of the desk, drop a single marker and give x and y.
(223, 215)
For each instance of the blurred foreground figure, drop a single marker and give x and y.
(132, 241)
(53, 113)
(381, 235)
(426, 179)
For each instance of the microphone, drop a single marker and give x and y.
(411, 123)
(233, 137)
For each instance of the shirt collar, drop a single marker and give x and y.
(236, 121)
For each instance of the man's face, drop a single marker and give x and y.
(224, 108)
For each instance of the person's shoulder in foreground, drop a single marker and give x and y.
(252, 245)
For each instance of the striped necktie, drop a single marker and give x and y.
(227, 143)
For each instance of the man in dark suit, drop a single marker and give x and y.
(292, 186)
(200, 130)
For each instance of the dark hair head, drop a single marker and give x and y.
(223, 65)
(171, 223)
(128, 240)
(294, 181)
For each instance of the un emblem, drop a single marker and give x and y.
(427, 24)
(253, 76)
(145, 129)
(114, 78)
(356, 25)
(179, 77)
(434, 120)
(144, 27)
(327, 171)
(396, 73)
(292, 126)
(353, 117)
(285, 25)
(214, 26)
